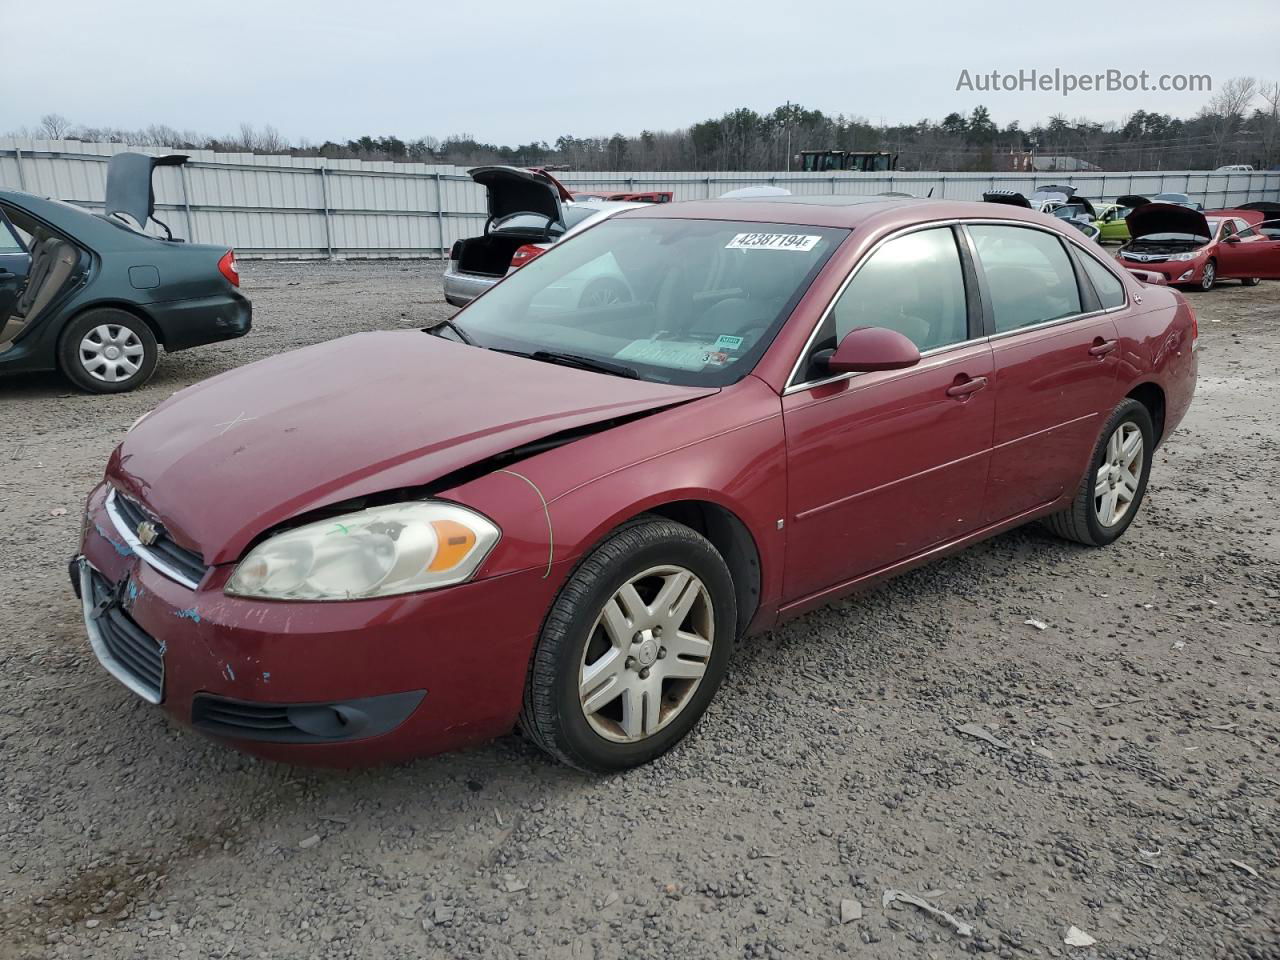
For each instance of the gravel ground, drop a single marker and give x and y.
(1128, 785)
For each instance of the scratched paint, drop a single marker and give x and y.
(121, 548)
(266, 677)
(189, 614)
(228, 672)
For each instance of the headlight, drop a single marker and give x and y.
(1185, 256)
(379, 552)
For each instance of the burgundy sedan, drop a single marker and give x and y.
(1177, 245)
(559, 516)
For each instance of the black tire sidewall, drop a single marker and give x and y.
(1211, 266)
(69, 346)
(1131, 411)
(587, 748)
(1251, 281)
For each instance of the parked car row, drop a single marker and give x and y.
(1170, 238)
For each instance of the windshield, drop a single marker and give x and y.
(693, 302)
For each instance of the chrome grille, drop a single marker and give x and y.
(163, 553)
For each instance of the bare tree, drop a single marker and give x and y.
(1269, 124)
(1227, 109)
(55, 126)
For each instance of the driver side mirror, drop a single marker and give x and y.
(867, 349)
(1234, 238)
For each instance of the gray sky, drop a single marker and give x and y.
(511, 71)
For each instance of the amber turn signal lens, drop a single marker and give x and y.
(454, 542)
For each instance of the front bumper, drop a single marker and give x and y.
(461, 288)
(1171, 272)
(365, 681)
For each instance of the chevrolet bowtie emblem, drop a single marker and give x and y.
(147, 533)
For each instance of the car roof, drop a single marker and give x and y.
(848, 212)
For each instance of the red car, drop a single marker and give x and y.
(628, 196)
(560, 516)
(1182, 246)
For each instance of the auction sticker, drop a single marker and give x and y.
(800, 242)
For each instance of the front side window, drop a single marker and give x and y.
(693, 302)
(913, 284)
(1029, 276)
(9, 242)
(1108, 286)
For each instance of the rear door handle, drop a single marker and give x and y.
(966, 387)
(1102, 347)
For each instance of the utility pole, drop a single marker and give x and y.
(788, 109)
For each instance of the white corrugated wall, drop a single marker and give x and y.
(273, 206)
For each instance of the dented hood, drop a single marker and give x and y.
(1167, 218)
(229, 458)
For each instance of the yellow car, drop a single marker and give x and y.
(1110, 220)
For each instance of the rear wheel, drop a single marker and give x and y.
(107, 351)
(1112, 489)
(633, 649)
(1250, 281)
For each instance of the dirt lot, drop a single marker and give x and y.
(1133, 792)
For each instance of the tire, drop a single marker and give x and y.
(1208, 277)
(576, 639)
(1250, 281)
(603, 291)
(1084, 521)
(85, 351)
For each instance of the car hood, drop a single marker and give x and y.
(1166, 218)
(1009, 197)
(229, 458)
(1131, 200)
(129, 187)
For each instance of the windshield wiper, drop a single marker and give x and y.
(585, 363)
(458, 331)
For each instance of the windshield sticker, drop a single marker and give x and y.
(665, 353)
(727, 342)
(715, 358)
(800, 242)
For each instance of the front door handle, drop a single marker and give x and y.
(1102, 347)
(966, 387)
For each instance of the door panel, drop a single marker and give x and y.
(1257, 256)
(882, 466)
(1053, 388)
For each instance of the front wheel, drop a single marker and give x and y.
(1112, 489)
(633, 649)
(1209, 276)
(107, 351)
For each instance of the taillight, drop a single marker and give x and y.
(227, 267)
(524, 254)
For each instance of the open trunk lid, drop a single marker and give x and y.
(130, 189)
(513, 190)
(1155, 218)
(1009, 197)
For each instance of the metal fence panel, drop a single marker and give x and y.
(276, 206)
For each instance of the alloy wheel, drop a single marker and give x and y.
(1207, 278)
(646, 654)
(111, 353)
(1116, 483)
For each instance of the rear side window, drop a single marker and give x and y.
(914, 285)
(1029, 276)
(1109, 288)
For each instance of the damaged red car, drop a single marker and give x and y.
(1177, 245)
(560, 516)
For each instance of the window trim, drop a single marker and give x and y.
(986, 331)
